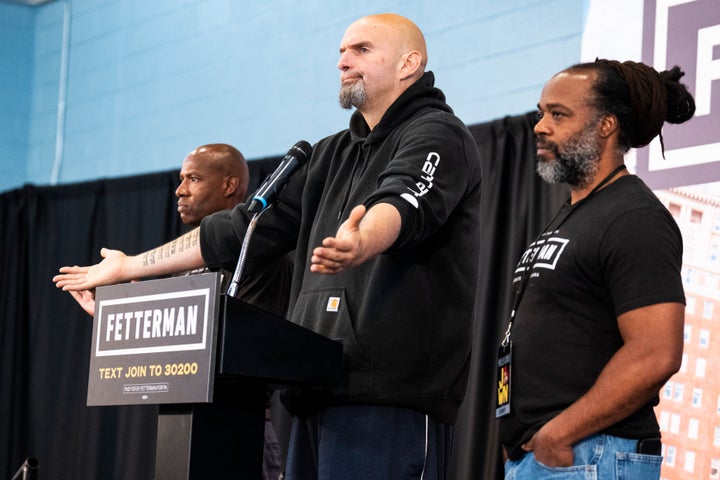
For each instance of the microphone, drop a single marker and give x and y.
(265, 197)
(268, 192)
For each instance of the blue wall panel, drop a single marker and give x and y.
(16, 51)
(149, 81)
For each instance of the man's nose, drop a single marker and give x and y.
(181, 190)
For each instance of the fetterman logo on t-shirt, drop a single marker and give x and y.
(543, 253)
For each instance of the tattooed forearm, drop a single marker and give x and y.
(177, 246)
(148, 258)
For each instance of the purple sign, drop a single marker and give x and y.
(685, 33)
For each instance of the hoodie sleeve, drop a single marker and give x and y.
(434, 168)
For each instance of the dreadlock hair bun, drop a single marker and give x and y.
(641, 98)
(680, 104)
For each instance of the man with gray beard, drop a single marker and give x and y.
(596, 327)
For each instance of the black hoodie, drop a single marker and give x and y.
(405, 317)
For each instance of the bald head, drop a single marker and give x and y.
(380, 57)
(213, 177)
(401, 32)
(222, 158)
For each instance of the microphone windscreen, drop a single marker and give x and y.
(302, 151)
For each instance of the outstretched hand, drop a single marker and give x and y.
(86, 299)
(345, 250)
(107, 272)
(364, 235)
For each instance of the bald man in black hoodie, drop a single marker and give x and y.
(384, 220)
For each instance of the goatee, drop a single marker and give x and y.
(352, 95)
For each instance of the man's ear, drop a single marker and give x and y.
(608, 125)
(409, 64)
(230, 185)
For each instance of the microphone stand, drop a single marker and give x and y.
(27, 470)
(232, 290)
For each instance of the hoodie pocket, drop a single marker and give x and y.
(326, 312)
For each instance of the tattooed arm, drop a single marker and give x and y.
(178, 255)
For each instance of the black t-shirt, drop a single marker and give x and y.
(267, 287)
(616, 251)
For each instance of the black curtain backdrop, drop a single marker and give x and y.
(45, 336)
(516, 205)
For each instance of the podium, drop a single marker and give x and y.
(251, 352)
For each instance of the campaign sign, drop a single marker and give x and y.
(154, 342)
(685, 33)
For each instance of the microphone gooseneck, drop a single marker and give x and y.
(264, 198)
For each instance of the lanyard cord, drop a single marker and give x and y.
(525, 279)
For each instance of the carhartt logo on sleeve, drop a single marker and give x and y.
(425, 182)
(333, 304)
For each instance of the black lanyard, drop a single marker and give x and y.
(525, 279)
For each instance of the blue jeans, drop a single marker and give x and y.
(598, 457)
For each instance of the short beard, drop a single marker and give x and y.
(352, 95)
(577, 164)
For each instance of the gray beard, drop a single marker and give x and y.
(352, 95)
(577, 164)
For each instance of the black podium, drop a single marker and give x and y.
(209, 361)
(256, 351)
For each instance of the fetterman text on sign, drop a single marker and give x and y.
(153, 342)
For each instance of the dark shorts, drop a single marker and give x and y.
(360, 442)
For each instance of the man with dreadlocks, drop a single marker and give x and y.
(597, 322)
